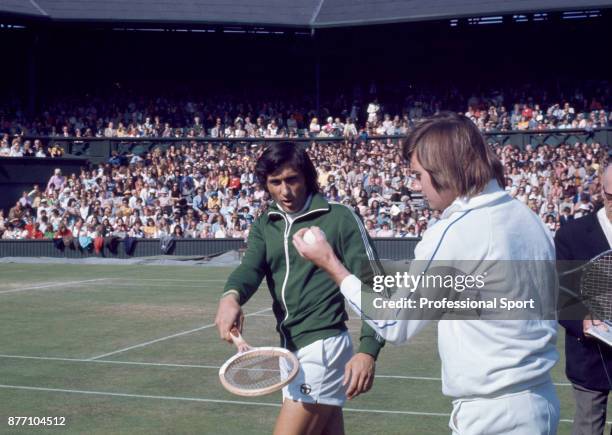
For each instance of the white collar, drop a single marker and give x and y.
(297, 213)
(491, 193)
(605, 224)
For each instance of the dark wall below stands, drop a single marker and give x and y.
(387, 248)
(21, 173)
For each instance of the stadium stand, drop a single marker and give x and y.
(205, 190)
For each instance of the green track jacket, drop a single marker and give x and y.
(308, 305)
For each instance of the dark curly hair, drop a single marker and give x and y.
(281, 154)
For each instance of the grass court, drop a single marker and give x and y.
(133, 349)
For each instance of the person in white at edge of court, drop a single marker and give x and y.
(496, 371)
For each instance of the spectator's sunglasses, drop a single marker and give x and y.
(607, 196)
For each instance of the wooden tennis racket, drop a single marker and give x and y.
(257, 371)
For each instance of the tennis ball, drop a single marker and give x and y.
(309, 237)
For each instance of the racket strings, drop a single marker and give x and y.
(255, 371)
(597, 287)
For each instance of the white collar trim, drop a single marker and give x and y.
(605, 224)
(491, 193)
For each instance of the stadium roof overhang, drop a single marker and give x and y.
(304, 14)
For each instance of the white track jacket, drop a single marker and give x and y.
(483, 358)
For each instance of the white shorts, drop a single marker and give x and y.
(321, 371)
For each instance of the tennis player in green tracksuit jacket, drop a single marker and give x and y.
(308, 305)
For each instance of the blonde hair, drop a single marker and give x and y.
(454, 153)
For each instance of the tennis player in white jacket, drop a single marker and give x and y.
(496, 371)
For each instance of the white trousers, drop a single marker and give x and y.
(530, 412)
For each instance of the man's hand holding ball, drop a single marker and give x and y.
(310, 237)
(312, 245)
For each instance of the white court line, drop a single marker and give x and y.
(57, 284)
(169, 279)
(148, 285)
(203, 366)
(198, 399)
(414, 378)
(108, 361)
(157, 340)
(138, 282)
(142, 396)
(228, 402)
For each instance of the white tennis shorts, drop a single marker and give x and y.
(321, 371)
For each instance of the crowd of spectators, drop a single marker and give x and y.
(206, 190)
(124, 114)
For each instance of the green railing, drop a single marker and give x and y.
(387, 248)
(100, 148)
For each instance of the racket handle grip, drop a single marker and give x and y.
(239, 341)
